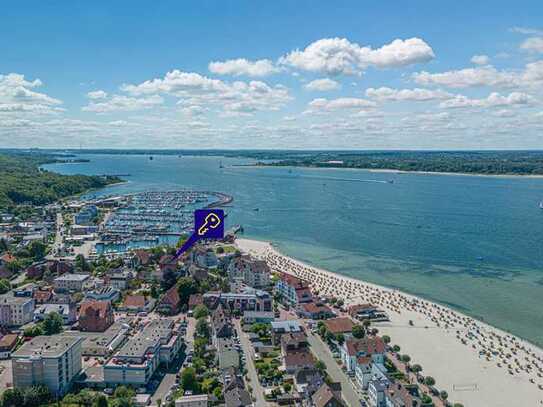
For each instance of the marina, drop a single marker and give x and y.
(149, 219)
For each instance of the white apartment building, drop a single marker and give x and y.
(54, 361)
(252, 272)
(16, 311)
(70, 282)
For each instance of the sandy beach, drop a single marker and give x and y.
(477, 364)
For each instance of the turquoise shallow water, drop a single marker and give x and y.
(474, 243)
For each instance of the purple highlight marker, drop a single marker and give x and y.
(208, 224)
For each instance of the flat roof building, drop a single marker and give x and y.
(53, 361)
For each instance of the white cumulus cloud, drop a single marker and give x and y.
(533, 44)
(322, 85)
(480, 59)
(97, 94)
(416, 95)
(242, 66)
(334, 56)
(493, 100)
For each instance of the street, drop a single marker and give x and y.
(258, 390)
(165, 385)
(347, 391)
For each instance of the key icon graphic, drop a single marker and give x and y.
(212, 221)
(208, 224)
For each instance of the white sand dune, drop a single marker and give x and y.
(478, 365)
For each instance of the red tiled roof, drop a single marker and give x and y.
(8, 258)
(339, 325)
(42, 295)
(171, 297)
(137, 301)
(314, 308)
(295, 282)
(142, 256)
(295, 358)
(101, 308)
(367, 345)
(8, 341)
(195, 299)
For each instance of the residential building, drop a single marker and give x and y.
(170, 302)
(376, 392)
(104, 294)
(197, 400)
(369, 346)
(53, 361)
(341, 325)
(138, 303)
(252, 272)
(119, 279)
(293, 290)
(249, 299)
(315, 310)
(296, 359)
(251, 317)
(279, 328)
(367, 311)
(308, 381)
(205, 258)
(234, 391)
(328, 396)
(168, 263)
(66, 311)
(294, 341)
(220, 324)
(95, 316)
(70, 282)
(195, 300)
(399, 395)
(7, 343)
(16, 311)
(137, 360)
(140, 258)
(86, 215)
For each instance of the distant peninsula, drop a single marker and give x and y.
(22, 181)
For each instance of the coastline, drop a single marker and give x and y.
(402, 172)
(468, 358)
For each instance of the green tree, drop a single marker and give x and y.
(36, 396)
(13, 398)
(287, 387)
(4, 246)
(340, 338)
(100, 401)
(386, 339)
(202, 328)
(358, 331)
(5, 286)
(458, 405)
(52, 324)
(429, 381)
(416, 368)
(200, 311)
(37, 250)
(189, 380)
(320, 366)
(405, 358)
(396, 348)
(443, 394)
(33, 331)
(123, 392)
(186, 286)
(155, 292)
(81, 263)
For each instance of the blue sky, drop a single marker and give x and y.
(282, 74)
